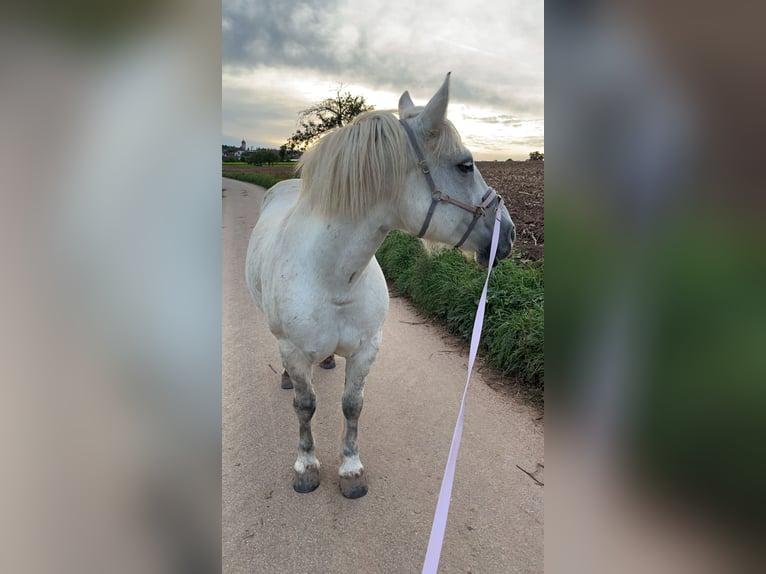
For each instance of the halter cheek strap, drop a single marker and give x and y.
(437, 196)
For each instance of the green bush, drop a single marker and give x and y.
(447, 286)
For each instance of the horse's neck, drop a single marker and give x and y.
(342, 250)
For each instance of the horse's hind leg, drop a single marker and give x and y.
(286, 383)
(304, 402)
(353, 482)
(328, 363)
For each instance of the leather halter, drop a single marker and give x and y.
(438, 197)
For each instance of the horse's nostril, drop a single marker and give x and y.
(513, 233)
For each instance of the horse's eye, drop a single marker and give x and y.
(466, 166)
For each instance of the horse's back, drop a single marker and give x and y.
(281, 196)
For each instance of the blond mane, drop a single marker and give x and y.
(353, 168)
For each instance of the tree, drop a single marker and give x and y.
(536, 156)
(262, 156)
(324, 116)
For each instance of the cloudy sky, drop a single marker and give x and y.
(279, 57)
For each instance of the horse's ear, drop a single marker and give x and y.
(436, 109)
(405, 103)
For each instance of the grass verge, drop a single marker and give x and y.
(262, 179)
(448, 286)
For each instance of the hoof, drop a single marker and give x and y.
(286, 382)
(328, 363)
(306, 481)
(353, 486)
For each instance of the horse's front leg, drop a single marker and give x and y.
(353, 482)
(299, 367)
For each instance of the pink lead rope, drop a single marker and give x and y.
(436, 540)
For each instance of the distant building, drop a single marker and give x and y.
(233, 153)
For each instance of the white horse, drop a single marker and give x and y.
(311, 264)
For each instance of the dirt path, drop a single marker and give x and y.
(411, 401)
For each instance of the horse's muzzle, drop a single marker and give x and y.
(504, 245)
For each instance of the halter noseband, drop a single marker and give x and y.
(438, 197)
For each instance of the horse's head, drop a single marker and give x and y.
(446, 198)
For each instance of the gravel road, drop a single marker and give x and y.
(411, 402)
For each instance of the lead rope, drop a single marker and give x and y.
(433, 553)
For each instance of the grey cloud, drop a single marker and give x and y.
(276, 34)
(499, 119)
(252, 114)
(343, 42)
(494, 55)
(504, 145)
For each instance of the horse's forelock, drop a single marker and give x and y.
(445, 142)
(355, 167)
